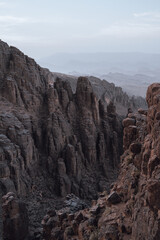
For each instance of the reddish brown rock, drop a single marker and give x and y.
(114, 198)
(128, 122)
(137, 215)
(130, 135)
(142, 111)
(153, 93)
(135, 148)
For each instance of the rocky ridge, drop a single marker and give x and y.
(106, 92)
(132, 209)
(52, 141)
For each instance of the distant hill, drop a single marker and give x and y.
(101, 63)
(133, 84)
(134, 72)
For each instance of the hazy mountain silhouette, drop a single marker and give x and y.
(134, 72)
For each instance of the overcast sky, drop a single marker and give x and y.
(41, 28)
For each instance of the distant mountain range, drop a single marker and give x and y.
(133, 84)
(134, 72)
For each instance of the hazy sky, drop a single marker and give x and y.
(41, 28)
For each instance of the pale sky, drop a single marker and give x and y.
(41, 28)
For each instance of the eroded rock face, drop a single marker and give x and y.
(74, 140)
(136, 213)
(54, 224)
(53, 141)
(15, 218)
(107, 92)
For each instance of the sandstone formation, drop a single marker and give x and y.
(132, 209)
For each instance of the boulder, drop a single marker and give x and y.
(128, 122)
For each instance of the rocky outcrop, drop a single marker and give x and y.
(108, 92)
(53, 141)
(70, 136)
(131, 210)
(15, 218)
(56, 218)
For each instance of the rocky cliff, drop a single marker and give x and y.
(132, 209)
(46, 127)
(106, 92)
(52, 141)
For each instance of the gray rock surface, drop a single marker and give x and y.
(52, 141)
(107, 92)
(15, 218)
